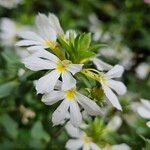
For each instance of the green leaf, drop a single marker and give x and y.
(39, 133)
(84, 41)
(7, 88)
(10, 125)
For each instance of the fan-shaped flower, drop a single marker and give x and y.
(70, 104)
(80, 139)
(48, 29)
(108, 84)
(44, 60)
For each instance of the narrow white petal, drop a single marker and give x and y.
(73, 131)
(102, 66)
(74, 144)
(47, 82)
(74, 68)
(86, 147)
(55, 24)
(114, 123)
(143, 112)
(115, 72)
(27, 43)
(52, 97)
(68, 81)
(33, 49)
(117, 86)
(146, 103)
(46, 31)
(36, 64)
(112, 97)
(46, 55)
(94, 146)
(75, 114)
(90, 106)
(60, 113)
(28, 35)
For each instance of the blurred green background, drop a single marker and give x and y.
(25, 122)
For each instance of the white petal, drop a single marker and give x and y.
(112, 97)
(102, 66)
(94, 146)
(143, 112)
(33, 49)
(46, 55)
(68, 81)
(74, 68)
(27, 43)
(73, 131)
(52, 97)
(36, 64)
(74, 144)
(86, 147)
(148, 124)
(75, 114)
(121, 147)
(58, 85)
(117, 86)
(46, 31)
(90, 106)
(60, 113)
(146, 103)
(28, 35)
(54, 22)
(115, 72)
(114, 123)
(47, 82)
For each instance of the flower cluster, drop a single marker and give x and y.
(69, 59)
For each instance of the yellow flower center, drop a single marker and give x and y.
(70, 94)
(61, 66)
(86, 139)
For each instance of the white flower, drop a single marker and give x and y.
(70, 104)
(108, 84)
(144, 110)
(122, 146)
(142, 70)
(80, 139)
(48, 29)
(10, 3)
(44, 60)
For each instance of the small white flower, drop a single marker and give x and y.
(80, 139)
(142, 70)
(144, 110)
(10, 3)
(108, 84)
(48, 29)
(44, 60)
(70, 104)
(122, 146)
